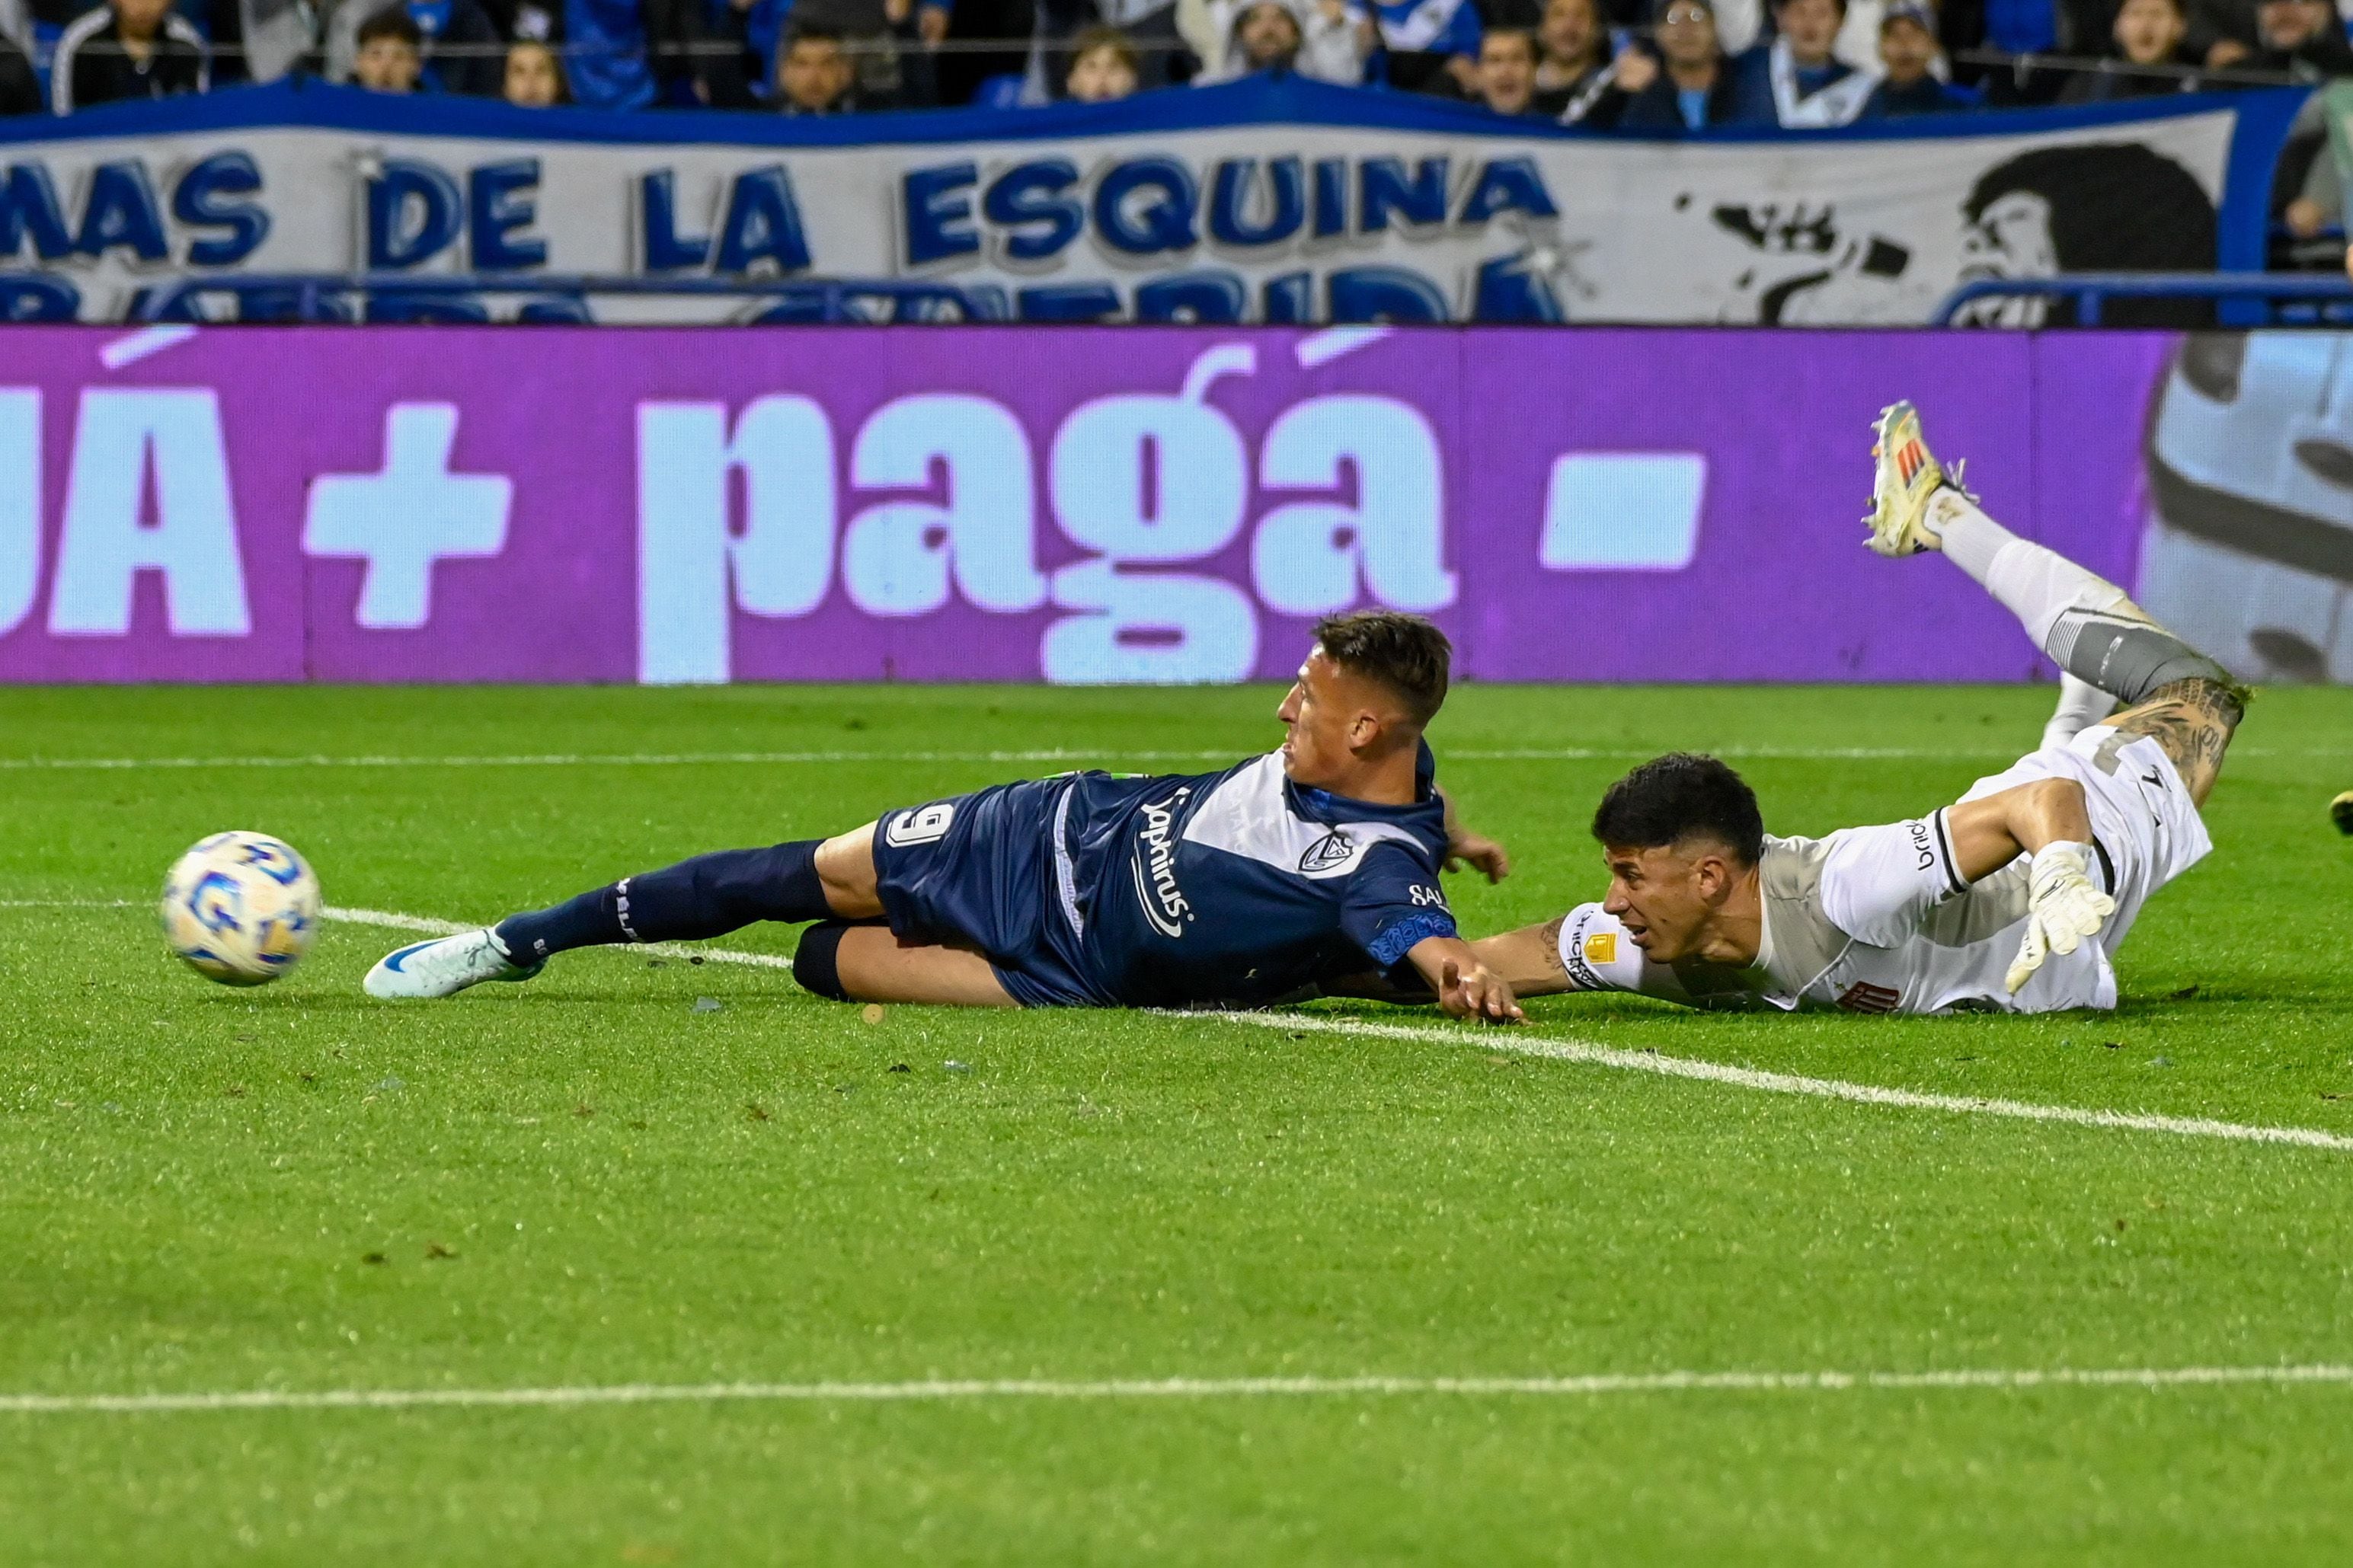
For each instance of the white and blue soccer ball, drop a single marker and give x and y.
(241, 908)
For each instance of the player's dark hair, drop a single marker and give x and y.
(1682, 794)
(393, 22)
(1403, 653)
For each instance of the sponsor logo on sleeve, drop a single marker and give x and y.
(1924, 845)
(1575, 947)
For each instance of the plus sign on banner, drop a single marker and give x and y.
(408, 515)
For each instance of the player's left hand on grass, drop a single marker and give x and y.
(2063, 908)
(1477, 992)
(1478, 851)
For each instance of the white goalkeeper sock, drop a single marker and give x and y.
(2081, 706)
(2083, 623)
(2036, 584)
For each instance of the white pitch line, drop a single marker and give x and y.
(1554, 1048)
(939, 1390)
(1520, 1042)
(1063, 755)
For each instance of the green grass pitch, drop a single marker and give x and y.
(599, 1179)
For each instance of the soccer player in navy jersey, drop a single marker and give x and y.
(1308, 868)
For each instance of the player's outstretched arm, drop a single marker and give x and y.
(1528, 959)
(1482, 853)
(1465, 987)
(2048, 820)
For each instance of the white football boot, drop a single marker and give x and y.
(1906, 476)
(443, 967)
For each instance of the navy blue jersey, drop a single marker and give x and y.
(1242, 887)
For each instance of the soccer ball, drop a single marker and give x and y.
(241, 908)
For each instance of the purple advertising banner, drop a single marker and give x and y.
(1083, 504)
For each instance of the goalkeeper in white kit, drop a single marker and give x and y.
(2015, 899)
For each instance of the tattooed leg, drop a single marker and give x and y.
(2193, 719)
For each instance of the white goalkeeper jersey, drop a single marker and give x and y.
(1879, 919)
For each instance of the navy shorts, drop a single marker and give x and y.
(977, 871)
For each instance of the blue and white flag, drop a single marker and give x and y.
(1259, 200)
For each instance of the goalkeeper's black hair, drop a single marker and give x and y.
(1682, 793)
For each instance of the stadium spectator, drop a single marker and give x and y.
(1102, 67)
(814, 75)
(1169, 39)
(2301, 39)
(2147, 33)
(885, 42)
(252, 40)
(756, 27)
(535, 76)
(457, 51)
(1688, 85)
(390, 56)
(1266, 36)
(125, 49)
(2320, 204)
(1740, 24)
(1324, 40)
(20, 89)
(1507, 72)
(1907, 58)
(1431, 46)
(527, 21)
(1793, 80)
(634, 53)
(1575, 74)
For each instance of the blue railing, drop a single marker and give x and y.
(2240, 298)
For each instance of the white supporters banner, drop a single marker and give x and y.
(1259, 201)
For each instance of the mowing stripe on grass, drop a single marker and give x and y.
(935, 1390)
(1518, 1042)
(1065, 755)
(1521, 1042)
(1556, 1048)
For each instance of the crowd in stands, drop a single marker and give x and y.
(1651, 65)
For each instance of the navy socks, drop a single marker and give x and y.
(708, 896)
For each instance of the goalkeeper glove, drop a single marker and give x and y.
(2063, 908)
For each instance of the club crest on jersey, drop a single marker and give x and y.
(1329, 853)
(1155, 864)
